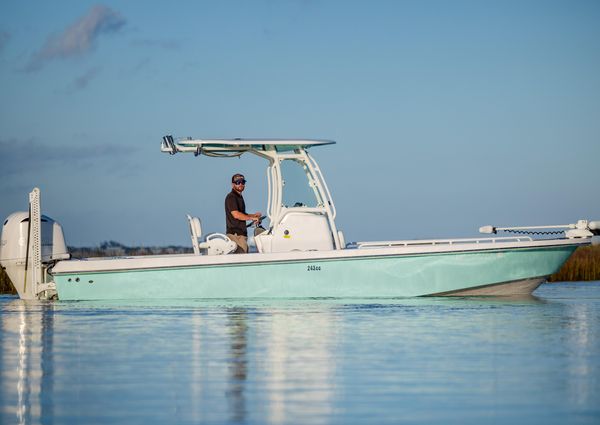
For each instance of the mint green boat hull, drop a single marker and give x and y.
(362, 277)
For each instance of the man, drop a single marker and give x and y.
(235, 214)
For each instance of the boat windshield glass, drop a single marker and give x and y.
(297, 191)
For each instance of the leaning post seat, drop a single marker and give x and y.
(214, 244)
(195, 232)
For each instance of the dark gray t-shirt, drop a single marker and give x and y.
(235, 202)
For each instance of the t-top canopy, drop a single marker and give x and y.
(236, 146)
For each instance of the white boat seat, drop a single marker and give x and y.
(217, 244)
(214, 244)
(195, 232)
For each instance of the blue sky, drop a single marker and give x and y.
(448, 115)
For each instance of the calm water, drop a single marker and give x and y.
(435, 360)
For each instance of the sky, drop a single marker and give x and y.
(448, 115)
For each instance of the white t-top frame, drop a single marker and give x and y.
(274, 151)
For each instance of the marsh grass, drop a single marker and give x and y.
(6, 286)
(583, 265)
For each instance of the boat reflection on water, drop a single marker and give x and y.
(26, 343)
(235, 356)
(270, 352)
(583, 338)
(506, 299)
(238, 363)
(300, 349)
(267, 362)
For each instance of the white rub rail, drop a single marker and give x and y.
(382, 244)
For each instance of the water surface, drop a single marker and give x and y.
(427, 360)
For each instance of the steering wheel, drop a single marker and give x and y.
(259, 220)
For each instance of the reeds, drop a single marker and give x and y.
(6, 286)
(584, 264)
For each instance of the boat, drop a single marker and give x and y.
(301, 253)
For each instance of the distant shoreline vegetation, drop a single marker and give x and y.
(116, 249)
(584, 264)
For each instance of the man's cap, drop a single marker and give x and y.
(236, 176)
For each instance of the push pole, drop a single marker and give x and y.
(34, 246)
(27, 250)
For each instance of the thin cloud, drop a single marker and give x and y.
(161, 44)
(79, 38)
(84, 80)
(4, 37)
(19, 156)
(140, 65)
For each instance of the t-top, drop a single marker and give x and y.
(235, 202)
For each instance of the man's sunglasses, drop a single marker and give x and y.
(239, 182)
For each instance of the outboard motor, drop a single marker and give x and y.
(29, 245)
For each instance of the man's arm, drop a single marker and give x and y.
(246, 217)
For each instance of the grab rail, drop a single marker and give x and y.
(433, 242)
(321, 178)
(269, 187)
